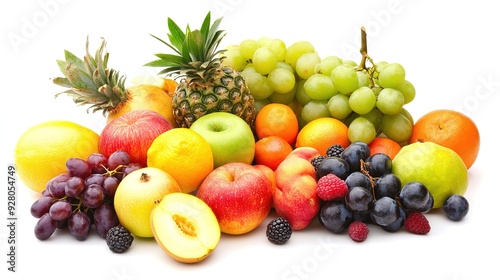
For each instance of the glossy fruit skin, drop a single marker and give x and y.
(385, 211)
(335, 216)
(456, 207)
(414, 196)
(378, 165)
(387, 185)
(333, 165)
(353, 155)
(357, 178)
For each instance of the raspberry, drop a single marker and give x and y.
(358, 231)
(417, 223)
(331, 187)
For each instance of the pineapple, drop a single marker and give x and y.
(91, 82)
(205, 85)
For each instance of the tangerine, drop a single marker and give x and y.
(384, 145)
(451, 129)
(276, 119)
(271, 151)
(322, 133)
(184, 154)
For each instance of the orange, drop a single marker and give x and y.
(184, 154)
(276, 119)
(321, 133)
(271, 151)
(451, 129)
(43, 149)
(384, 145)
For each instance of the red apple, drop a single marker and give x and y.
(133, 133)
(240, 196)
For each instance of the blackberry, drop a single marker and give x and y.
(316, 161)
(278, 231)
(334, 150)
(119, 239)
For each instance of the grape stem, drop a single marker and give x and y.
(364, 56)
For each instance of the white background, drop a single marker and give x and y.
(448, 48)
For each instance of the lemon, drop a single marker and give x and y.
(42, 150)
(184, 154)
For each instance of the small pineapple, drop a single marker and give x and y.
(205, 85)
(91, 82)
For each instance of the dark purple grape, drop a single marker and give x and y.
(57, 189)
(335, 216)
(385, 211)
(79, 225)
(118, 158)
(333, 165)
(131, 167)
(78, 167)
(359, 199)
(74, 186)
(62, 224)
(378, 164)
(354, 153)
(398, 223)
(428, 207)
(95, 179)
(105, 218)
(60, 210)
(358, 179)
(41, 206)
(63, 177)
(45, 227)
(456, 207)
(93, 196)
(110, 185)
(414, 196)
(98, 163)
(387, 185)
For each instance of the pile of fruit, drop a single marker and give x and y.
(230, 137)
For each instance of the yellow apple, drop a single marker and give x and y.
(185, 227)
(136, 195)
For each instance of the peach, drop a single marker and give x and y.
(295, 197)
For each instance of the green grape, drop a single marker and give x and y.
(350, 63)
(248, 47)
(304, 67)
(345, 79)
(347, 121)
(314, 110)
(300, 94)
(259, 86)
(248, 69)
(338, 106)
(408, 91)
(407, 115)
(283, 98)
(327, 64)
(390, 101)
(362, 100)
(363, 79)
(264, 41)
(295, 50)
(264, 60)
(279, 49)
(362, 130)
(319, 87)
(259, 103)
(397, 127)
(234, 59)
(375, 117)
(283, 65)
(391, 75)
(282, 80)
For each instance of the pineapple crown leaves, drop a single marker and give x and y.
(195, 50)
(90, 81)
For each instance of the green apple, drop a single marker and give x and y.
(136, 196)
(440, 169)
(229, 136)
